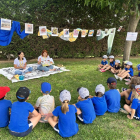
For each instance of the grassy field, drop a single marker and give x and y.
(83, 73)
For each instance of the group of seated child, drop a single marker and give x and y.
(21, 117)
(24, 116)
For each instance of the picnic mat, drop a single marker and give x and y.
(9, 73)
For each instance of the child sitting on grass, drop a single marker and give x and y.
(85, 109)
(111, 65)
(128, 73)
(128, 92)
(134, 109)
(99, 101)
(19, 125)
(103, 62)
(64, 119)
(117, 67)
(45, 104)
(5, 105)
(112, 96)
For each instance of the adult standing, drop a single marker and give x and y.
(42, 59)
(20, 64)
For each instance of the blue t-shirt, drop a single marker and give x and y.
(19, 116)
(136, 105)
(104, 62)
(113, 100)
(100, 105)
(139, 74)
(112, 64)
(4, 112)
(126, 69)
(87, 108)
(131, 72)
(129, 97)
(67, 122)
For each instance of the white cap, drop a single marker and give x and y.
(105, 57)
(129, 63)
(117, 61)
(65, 95)
(111, 56)
(83, 92)
(100, 88)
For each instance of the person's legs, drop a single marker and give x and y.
(18, 72)
(35, 120)
(28, 70)
(41, 68)
(127, 108)
(126, 95)
(52, 122)
(121, 72)
(112, 70)
(109, 67)
(50, 67)
(104, 67)
(126, 74)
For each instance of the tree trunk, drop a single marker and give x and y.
(133, 22)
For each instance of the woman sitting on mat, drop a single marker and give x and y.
(45, 62)
(20, 65)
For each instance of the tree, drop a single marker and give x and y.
(130, 7)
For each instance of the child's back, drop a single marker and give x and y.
(67, 122)
(99, 101)
(87, 108)
(113, 100)
(100, 105)
(46, 104)
(19, 116)
(4, 112)
(4, 107)
(112, 96)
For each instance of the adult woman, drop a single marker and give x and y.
(44, 58)
(20, 64)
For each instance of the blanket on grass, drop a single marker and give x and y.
(9, 73)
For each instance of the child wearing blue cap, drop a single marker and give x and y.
(20, 125)
(45, 104)
(112, 96)
(85, 109)
(103, 62)
(99, 100)
(64, 119)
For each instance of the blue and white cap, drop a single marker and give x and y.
(105, 57)
(83, 92)
(138, 66)
(111, 56)
(100, 88)
(117, 61)
(65, 95)
(129, 63)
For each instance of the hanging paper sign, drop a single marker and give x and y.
(131, 36)
(84, 33)
(75, 33)
(91, 32)
(5, 24)
(42, 30)
(66, 32)
(28, 28)
(119, 28)
(98, 32)
(106, 31)
(54, 31)
(112, 31)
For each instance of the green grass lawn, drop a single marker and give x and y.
(83, 73)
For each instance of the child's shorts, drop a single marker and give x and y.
(23, 134)
(56, 128)
(80, 117)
